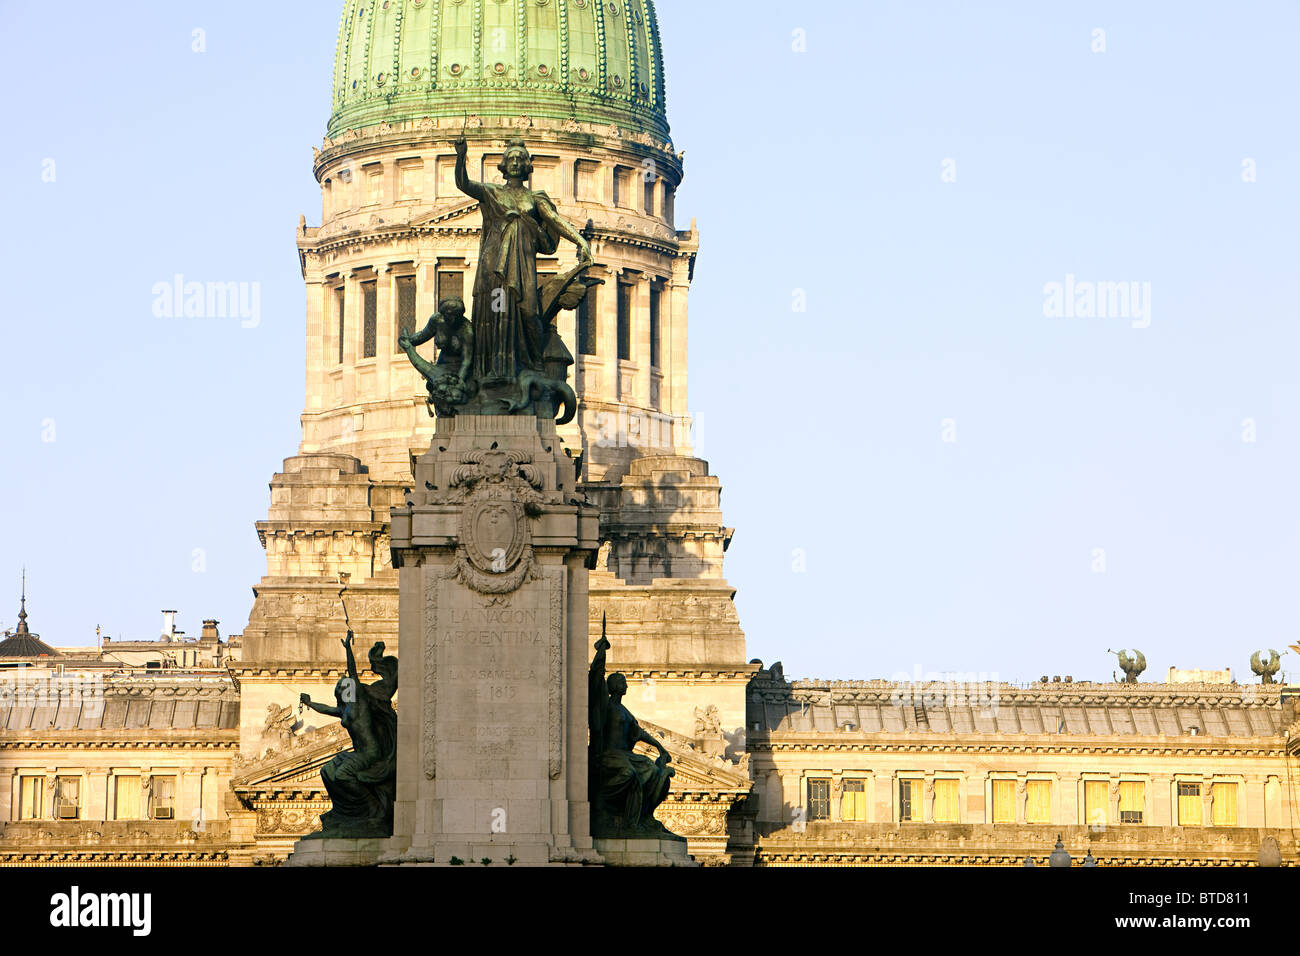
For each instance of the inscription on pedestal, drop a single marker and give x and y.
(493, 667)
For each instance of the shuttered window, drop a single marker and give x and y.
(1038, 801)
(1004, 801)
(1132, 801)
(126, 798)
(1096, 795)
(31, 804)
(853, 804)
(1225, 804)
(947, 801)
(1191, 809)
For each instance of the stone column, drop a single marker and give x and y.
(353, 316)
(641, 340)
(673, 321)
(492, 720)
(385, 331)
(320, 341)
(1069, 799)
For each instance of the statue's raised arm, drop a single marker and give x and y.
(469, 187)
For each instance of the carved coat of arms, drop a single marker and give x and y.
(499, 490)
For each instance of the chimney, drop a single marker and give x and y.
(210, 632)
(169, 625)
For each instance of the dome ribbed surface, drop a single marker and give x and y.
(588, 60)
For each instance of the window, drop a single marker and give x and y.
(163, 800)
(340, 309)
(649, 193)
(909, 800)
(947, 801)
(654, 328)
(405, 307)
(819, 799)
(67, 798)
(619, 190)
(369, 318)
(126, 798)
(1038, 801)
(625, 323)
(410, 179)
(1224, 796)
(1004, 801)
(586, 182)
(587, 324)
(1132, 801)
(1190, 806)
(451, 285)
(853, 804)
(31, 798)
(374, 186)
(1096, 795)
(670, 204)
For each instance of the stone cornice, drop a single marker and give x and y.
(109, 740)
(539, 132)
(299, 670)
(834, 742)
(385, 233)
(685, 672)
(1069, 695)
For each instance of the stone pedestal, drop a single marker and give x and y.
(336, 853)
(493, 549)
(644, 852)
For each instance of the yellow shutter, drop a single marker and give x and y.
(1096, 795)
(1038, 801)
(1190, 809)
(945, 801)
(1132, 797)
(127, 798)
(1225, 804)
(1004, 801)
(853, 805)
(32, 798)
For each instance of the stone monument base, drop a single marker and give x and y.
(644, 852)
(330, 853)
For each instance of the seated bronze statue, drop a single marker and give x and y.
(362, 782)
(625, 786)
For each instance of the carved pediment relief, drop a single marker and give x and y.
(299, 761)
(697, 770)
(445, 214)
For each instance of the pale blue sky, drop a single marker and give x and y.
(818, 171)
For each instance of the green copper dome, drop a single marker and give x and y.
(589, 60)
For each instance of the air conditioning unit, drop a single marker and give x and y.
(65, 811)
(163, 813)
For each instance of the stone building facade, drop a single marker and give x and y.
(879, 773)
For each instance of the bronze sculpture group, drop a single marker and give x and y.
(507, 358)
(362, 782)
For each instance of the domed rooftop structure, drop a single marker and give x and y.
(588, 60)
(22, 642)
